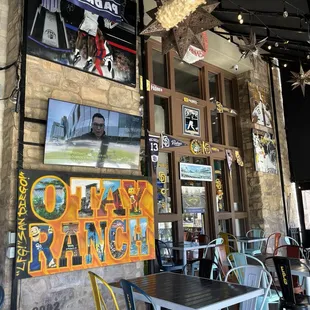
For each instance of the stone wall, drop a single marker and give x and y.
(264, 189)
(10, 29)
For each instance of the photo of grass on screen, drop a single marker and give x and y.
(80, 135)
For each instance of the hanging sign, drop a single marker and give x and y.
(169, 141)
(107, 9)
(198, 147)
(70, 222)
(195, 54)
(229, 158)
(239, 159)
(153, 145)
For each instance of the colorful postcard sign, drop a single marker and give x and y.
(92, 36)
(195, 172)
(67, 223)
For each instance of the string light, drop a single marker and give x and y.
(269, 47)
(276, 44)
(285, 65)
(241, 21)
(239, 16)
(285, 12)
(308, 56)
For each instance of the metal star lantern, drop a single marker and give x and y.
(252, 49)
(186, 33)
(300, 79)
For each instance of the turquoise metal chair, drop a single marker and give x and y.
(128, 287)
(255, 248)
(241, 259)
(254, 276)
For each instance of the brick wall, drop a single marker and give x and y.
(264, 189)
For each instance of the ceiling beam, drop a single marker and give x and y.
(297, 30)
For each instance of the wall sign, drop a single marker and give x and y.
(97, 37)
(195, 172)
(67, 223)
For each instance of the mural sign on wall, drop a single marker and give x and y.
(261, 112)
(265, 152)
(67, 223)
(98, 37)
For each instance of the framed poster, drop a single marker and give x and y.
(191, 121)
(81, 35)
(195, 172)
(193, 199)
(69, 222)
(261, 112)
(81, 135)
(265, 152)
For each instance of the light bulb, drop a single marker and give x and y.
(239, 16)
(285, 65)
(285, 13)
(308, 56)
(269, 47)
(241, 21)
(276, 44)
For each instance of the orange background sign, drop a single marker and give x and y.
(68, 223)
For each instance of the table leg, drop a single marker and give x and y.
(185, 261)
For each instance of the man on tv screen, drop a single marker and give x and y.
(97, 133)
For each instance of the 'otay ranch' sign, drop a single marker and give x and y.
(68, 223)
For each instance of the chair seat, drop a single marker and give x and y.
(253, 252)
(171, 267)
(302, 302)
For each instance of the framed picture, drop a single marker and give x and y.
(261, 112)
(75, 33)
(195, 172)
(191, 121)
(193, 199)
(265, 152)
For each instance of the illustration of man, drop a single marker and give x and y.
(97, 133)
(258, 114)
(38, 247)
(87, 28)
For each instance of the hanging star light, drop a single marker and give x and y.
(300, 79)
(252, 49)
(180, 23)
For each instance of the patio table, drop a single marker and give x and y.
(181, 292)
(188, 246)
(247, 240)
(297, 269)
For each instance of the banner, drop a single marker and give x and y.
(67, 223)
(229, 159)
(153, 145)
(169, 141)
(107, 9)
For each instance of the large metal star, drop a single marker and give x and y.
(300, 79)
(186, 33)
(252, 49)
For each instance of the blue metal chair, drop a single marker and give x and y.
(241, 259)
(128, 287)
(164, 257)
(254, 276)
(256, 247)
(1, 296)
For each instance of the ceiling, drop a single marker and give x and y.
(265, 18)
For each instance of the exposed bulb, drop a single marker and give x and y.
(239, 16)
(285, 65)
(269, 47)
(276, 44)
(285, 13)
(241, 21)
(308, 56)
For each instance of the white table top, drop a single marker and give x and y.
(181, 292)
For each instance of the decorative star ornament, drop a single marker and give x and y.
(300, 79)
(186, 33)
(252, 49)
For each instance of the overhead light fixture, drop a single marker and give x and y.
(285, 12)
(269, 47)
(285, 65)
(241, 21)
(276, 44)
(239, 16)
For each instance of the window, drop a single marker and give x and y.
(240, 227)
(216, 127)
(186, 78)
(213, 86)
(229, 93)
(232, 135)
(165, 231)
(159, 69)
(161, 114)
(225, 226)
(236, 184)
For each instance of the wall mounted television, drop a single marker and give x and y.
(81, 135)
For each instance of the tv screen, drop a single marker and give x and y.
(81, 135)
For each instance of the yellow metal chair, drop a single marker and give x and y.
(99, 301)
(229, 239)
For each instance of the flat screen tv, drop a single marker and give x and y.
(81, 135)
